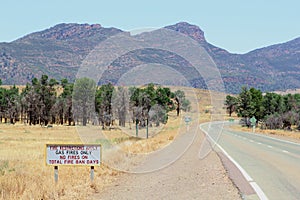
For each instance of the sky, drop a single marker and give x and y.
(235, 25)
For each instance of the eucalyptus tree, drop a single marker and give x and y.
(103, 103)
(83, 99)
(120, 102)
(181, 101)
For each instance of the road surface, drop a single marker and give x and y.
(186, 178)
(272, 165)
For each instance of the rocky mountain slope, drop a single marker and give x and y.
(59, 51)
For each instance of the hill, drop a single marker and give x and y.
(59, 51)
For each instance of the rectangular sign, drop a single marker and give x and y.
(73, 154)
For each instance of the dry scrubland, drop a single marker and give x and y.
(24, 175)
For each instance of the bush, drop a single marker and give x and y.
(274, 121)
(245, 122)
(289, 119)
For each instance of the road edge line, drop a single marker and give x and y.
(254, 185)
(272, 138)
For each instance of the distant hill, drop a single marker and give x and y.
(58, 52)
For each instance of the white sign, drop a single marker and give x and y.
(73, 154)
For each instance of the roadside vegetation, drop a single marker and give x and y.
(45, 101)
(44, 111)
(272, 111)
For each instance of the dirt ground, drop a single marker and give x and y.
(187, 178)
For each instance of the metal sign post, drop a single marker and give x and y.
(92, 173)
(187, 120)
(56, 174)
(253, 123)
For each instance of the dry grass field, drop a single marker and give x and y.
(24, 174)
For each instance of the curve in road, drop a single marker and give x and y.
(270, 165)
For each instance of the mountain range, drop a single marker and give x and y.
(59, 51)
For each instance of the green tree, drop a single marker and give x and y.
(257, 103)
(230, 103)
(103, 103)
(38, 99)
(245, 107)
(47, 93)
(273, 103)
(141, 101)
(150, 104)
(62, 109)
(3, 103)
(13, 104)
(31, 104)
(66, 97)
(83, 101)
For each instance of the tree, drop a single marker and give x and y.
(150, 104)
(83, 101)
(66, 97)
(273, 103)
(141, 101)
(120, 101)
(47, 93)
(230, 103)
(3, 103)
(31, 103)
(103, 103)
(181, 102)
(257, 103)
(289, 119)
(13, 104)
(158, 115)
(245, 106)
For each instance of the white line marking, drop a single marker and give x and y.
(270, 146)
(285, 151)
(254, 185)
(251, 140)
(258, 143)
(258, 191)
(272, 138)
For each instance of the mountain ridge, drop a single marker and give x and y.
(59, 50)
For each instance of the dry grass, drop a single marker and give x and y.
(276, 133)
(24, 175)
(165, 135)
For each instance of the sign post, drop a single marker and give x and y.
(253, 123)
(73, 154)
(56, 174)
(187, 120)
(92, 173)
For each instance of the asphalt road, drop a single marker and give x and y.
(272, 165)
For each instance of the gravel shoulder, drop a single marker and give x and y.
(187, 178)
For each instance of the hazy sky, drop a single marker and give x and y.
(236, 25)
